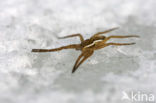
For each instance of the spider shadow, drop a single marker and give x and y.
(89, 76)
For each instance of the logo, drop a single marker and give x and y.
(138, 96)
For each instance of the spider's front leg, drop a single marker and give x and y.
(119, 44)
(120, 37)
(106, 31)
(73, 35)
(100, 46)
(73, 46)
(84, 56)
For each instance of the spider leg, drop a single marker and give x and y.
(119, 44)
(73, 46)
(115, 44)
(80, 60)
(73, 35)
(119, 36)
(109, 30)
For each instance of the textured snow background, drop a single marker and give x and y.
(27, 77)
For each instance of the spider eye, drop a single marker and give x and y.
(104, 37)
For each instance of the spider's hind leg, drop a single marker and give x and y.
(73, 46)
(73, 35)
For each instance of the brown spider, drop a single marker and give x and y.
(97, 41)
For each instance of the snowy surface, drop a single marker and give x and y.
(27, 77)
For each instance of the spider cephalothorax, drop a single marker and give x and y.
(97, 41)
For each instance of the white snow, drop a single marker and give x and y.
(27, 77)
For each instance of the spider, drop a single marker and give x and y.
(87, 47)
